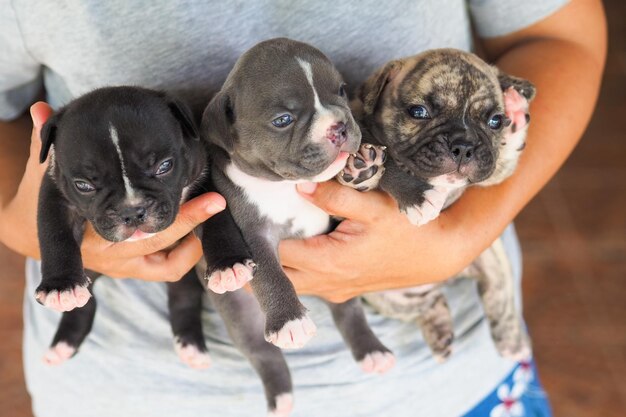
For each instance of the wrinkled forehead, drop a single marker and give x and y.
(96, 141)
(450, 81)
(285, 79)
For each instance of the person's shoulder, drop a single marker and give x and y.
(494, 18)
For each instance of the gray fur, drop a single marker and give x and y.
(251, 153)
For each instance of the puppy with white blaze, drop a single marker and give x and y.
(447, 120)
(281, 118)
(123, 159)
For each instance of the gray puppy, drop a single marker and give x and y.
(441, 118)
(281, 118)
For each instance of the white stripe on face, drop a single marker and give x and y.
(324, 117)
(130, 192)
(308, 72)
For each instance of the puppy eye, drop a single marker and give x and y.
(165, 167)
(283, 121)
(495, 122)
(419, 112)
(84, 186)
(342, 90)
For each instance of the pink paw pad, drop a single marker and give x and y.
(377, 362)
(58, 354)
(231, 279)
(65, 300)
(294, 334)
(284, 405)
(192, 356)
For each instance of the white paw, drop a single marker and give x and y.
(64, 300)
(284, 405)
(192, 356)
(377, 362)
(58, 354)
(434, 199)
(231, 279)
(294, 334)
(441, 357)
(523, 354)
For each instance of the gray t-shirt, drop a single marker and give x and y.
(127, 366)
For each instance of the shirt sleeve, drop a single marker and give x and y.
(493, 18)
(20, 73)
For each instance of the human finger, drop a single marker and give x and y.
(39, 113)
(342, 201)
(161, 266)
(190, 215)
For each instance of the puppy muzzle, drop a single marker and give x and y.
(134, 221)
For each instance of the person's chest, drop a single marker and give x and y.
(190, 46)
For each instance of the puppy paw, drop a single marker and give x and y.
(419, 215)
(294, 334)
(516, 109)
(192, 356)
(231, 279)
(284, 405)
(442, 349)
(63, 299)
(364, 169)
(377, 362)
(58, 354)
(517, 350)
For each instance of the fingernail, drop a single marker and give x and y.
(35, 119)
(306, 187)
(214, 206)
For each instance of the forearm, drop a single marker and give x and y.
(14, 143)
(567, 76)
(376, 248)
(14, 151)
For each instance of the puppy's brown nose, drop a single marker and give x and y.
(337, 134)
(462, 152)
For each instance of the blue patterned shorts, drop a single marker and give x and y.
(519, 395)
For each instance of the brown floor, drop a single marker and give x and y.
(574, 240)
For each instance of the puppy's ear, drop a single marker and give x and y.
(369, 93)
(183, 114)
(522, 86)
(217, 122)
(48, 135)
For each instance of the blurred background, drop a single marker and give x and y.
(573, 236)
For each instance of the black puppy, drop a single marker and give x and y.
(124, 159)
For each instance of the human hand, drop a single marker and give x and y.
(150, 259)
(374, 249)
(18, 217)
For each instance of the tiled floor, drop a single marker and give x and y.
(574, 240)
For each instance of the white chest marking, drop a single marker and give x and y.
(447, 182)
(280, 202)
(130, 191)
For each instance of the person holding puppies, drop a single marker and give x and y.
(128, 367)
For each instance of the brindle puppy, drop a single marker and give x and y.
(441, 118)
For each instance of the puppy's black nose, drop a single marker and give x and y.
(337, 134)
(133, 216)
(462, 152)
